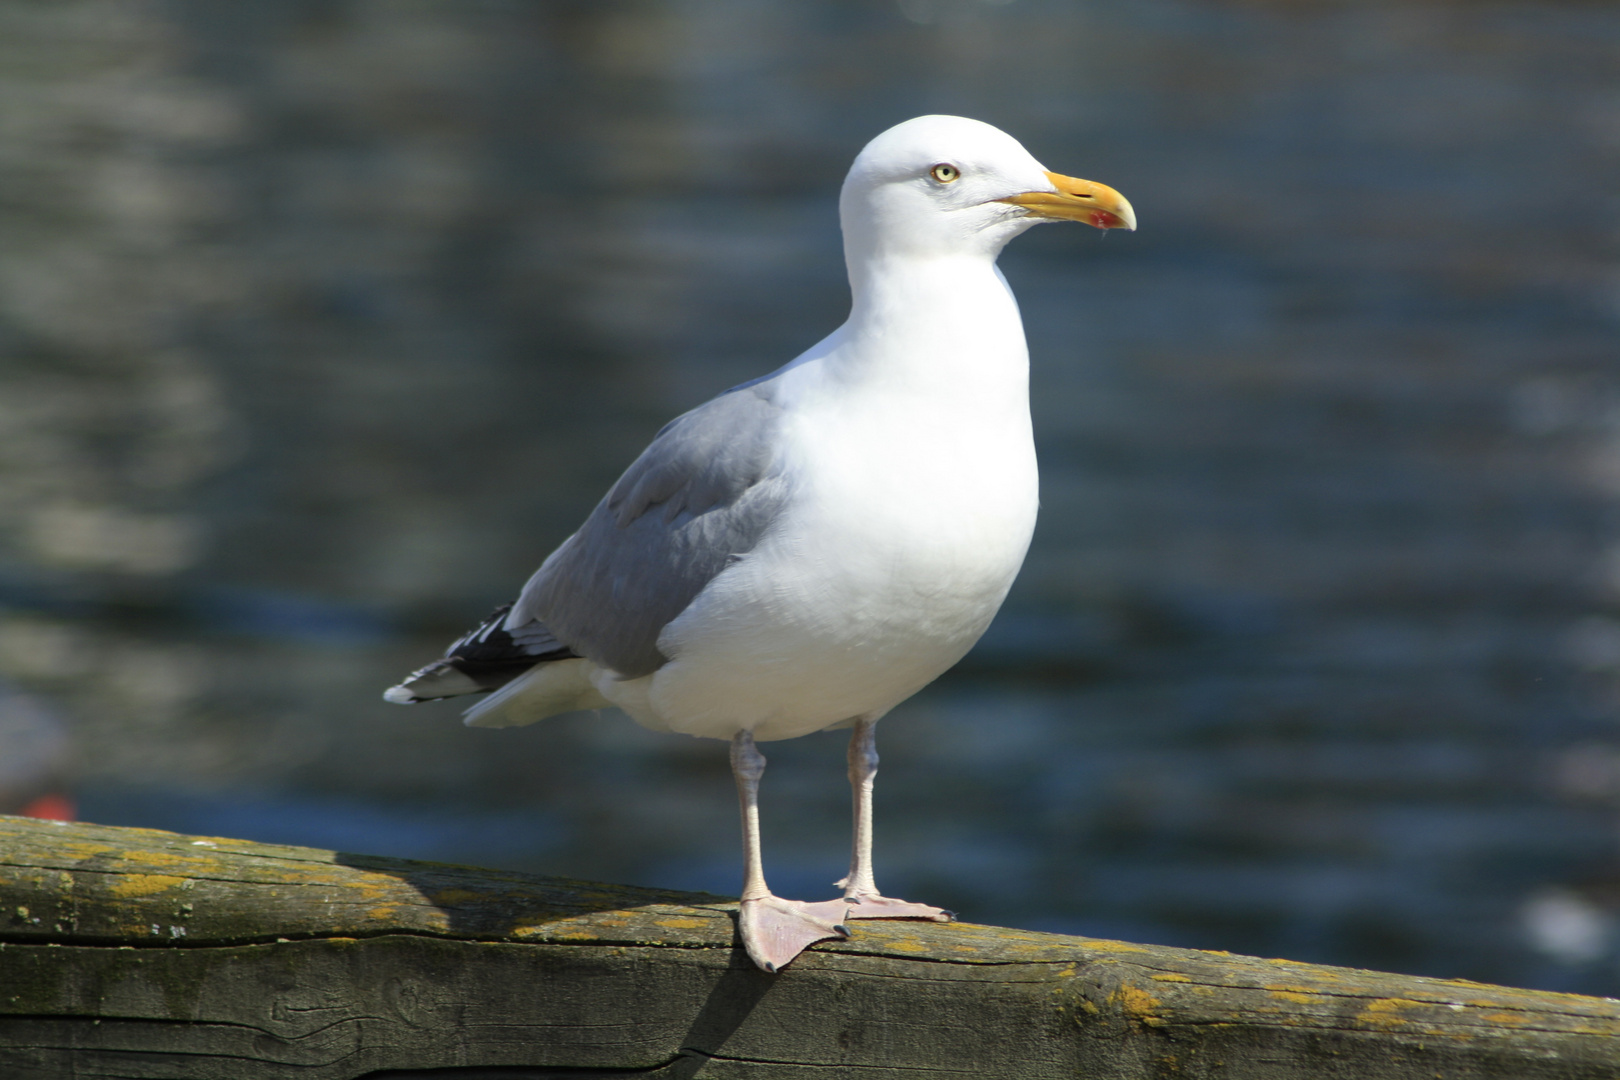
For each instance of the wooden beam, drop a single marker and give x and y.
(136, 953)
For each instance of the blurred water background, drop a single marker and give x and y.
(322, 321)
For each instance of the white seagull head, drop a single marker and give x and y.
(942, 186)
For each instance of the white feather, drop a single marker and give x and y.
(544, 690)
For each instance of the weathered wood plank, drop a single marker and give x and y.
(133, 953)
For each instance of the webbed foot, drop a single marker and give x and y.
(774, 930)
(873, 906)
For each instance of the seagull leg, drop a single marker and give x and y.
(859, 887)
(774, 930)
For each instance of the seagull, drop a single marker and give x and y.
(809, 549)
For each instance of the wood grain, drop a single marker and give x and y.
(135, 953)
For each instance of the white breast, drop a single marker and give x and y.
(905, 531)
(907, 449)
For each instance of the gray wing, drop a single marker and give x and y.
(701, 495)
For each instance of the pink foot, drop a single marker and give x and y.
(872, 906)
(774, 930)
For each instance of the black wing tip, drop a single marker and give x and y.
(484, 659)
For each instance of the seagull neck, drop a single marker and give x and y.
(953, 316)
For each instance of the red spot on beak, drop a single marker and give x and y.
(1104, 220)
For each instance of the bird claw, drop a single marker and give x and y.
(872, 906)
(774, 930)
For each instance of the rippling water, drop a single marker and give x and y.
(320, 324)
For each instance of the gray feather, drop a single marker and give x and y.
(703, 493)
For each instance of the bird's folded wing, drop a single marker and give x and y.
(700, 496)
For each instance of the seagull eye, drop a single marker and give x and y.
(945, 174)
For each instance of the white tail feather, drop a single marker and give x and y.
(550, 688)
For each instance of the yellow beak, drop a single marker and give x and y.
(1078, 200)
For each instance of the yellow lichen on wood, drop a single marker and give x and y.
(82, 851)
(173, 859)
(1138, 1003)
(1512, 1019)
(129, 886)
(1388, 1012)
(369, 886)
